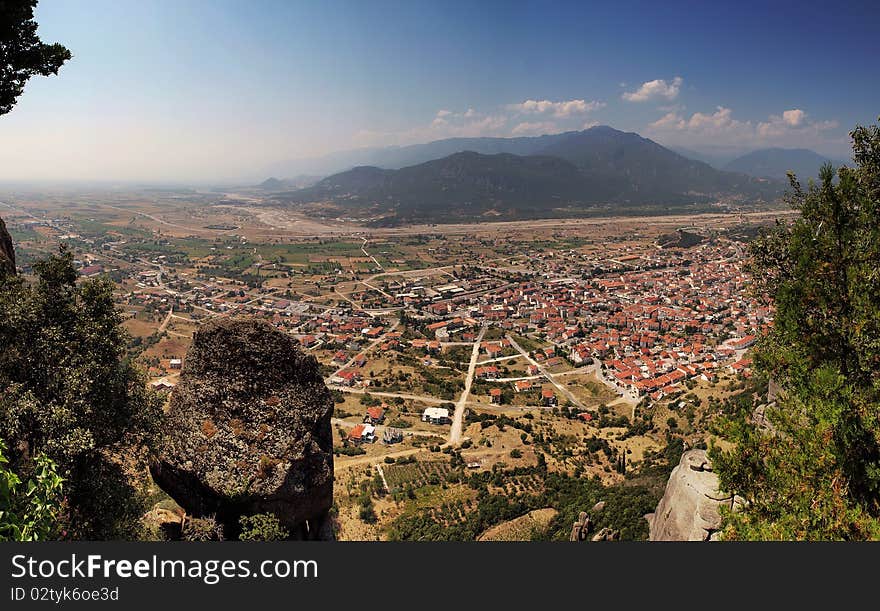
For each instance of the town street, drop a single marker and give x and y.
(574, 400)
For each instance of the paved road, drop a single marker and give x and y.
(574, 400)
(458, 417)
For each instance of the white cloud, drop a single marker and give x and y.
(794, 117)
(536, 128)
(562, 109)
(656, 89)
(793, 121)
(531, 117)
(791, 128)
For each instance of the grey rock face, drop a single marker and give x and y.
(7, 252)
(690, 509)
(248, 430)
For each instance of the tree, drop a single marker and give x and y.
(68, 391)
(814, 471)
(29, 513)
(22, 53)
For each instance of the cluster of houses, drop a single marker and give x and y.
(652, 318)
(366, 432)
(654, 321)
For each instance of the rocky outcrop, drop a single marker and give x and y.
(248, 431)
(7, 252)
(583, 526)
(690, 509)
(607, 534)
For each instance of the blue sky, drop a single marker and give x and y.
(221, 90)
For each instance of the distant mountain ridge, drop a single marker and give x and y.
(599, 166)
(776, 162)
(396, 157)
(297, 182)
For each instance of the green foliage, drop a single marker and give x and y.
(29, 510)
(68, 391)
(625, 507)
(262, 527)
(22, 53)
(349, 450)
(814, 472)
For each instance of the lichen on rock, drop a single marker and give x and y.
(248, 430)
(7, 252)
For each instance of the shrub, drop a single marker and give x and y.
(262, 527)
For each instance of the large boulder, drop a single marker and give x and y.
(7, 252)
(690, 509)
(248, 430)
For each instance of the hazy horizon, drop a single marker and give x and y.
(230, 93)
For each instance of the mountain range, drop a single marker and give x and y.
(528, 178)
(777, 162)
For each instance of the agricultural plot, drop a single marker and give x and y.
(416, 474)
(518, 484)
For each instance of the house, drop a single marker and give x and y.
(346, 378)
(522, 385)
(362, 433)
(308, 340)
(486, 373)
(91, 270)
(372, 332)
(162, 386)
(743, 343)
(740, 365)
(493, 349)
(391, 436)
(495, 395)
(435, 415)
(548, 397)
(375, 415)
(176, 363)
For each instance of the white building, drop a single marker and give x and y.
(435, 415)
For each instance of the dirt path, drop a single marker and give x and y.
(365, 460)
(167, 320)
(458, 417)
